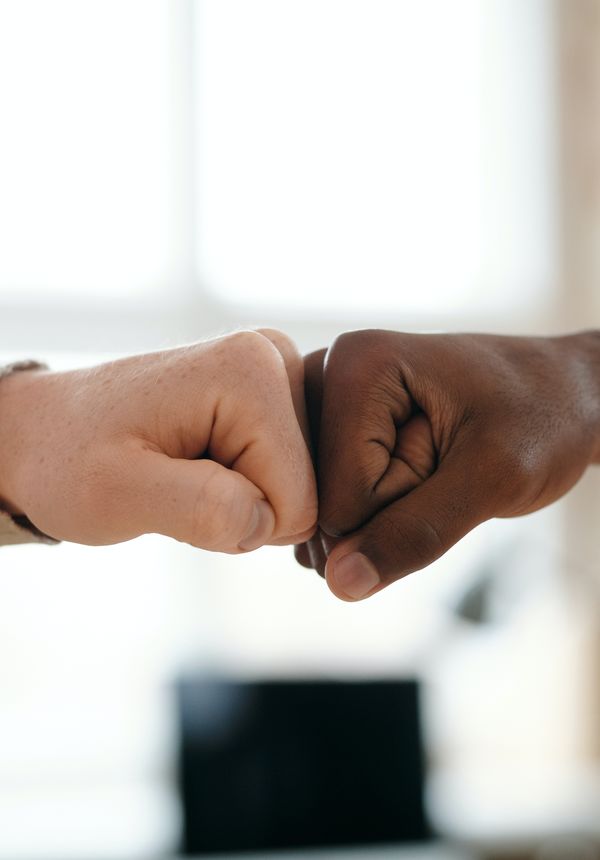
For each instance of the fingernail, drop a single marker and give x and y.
(260, 528)
(353, 576)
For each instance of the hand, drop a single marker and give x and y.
(420, 438)
(201, 443)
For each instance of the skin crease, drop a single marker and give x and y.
(202, 443)
(420, 438)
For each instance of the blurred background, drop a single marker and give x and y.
(172, 169)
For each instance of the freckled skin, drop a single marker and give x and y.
(419, 438)
(201, 443)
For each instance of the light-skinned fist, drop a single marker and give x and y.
(202, 443)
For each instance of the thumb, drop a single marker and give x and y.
(412, 532)
(201, 503)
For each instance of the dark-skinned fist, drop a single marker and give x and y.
(419, 438)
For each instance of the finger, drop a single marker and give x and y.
(311, 398)
(199, 502)
(256, 433)
(302, 555)
(310, 553)
(317, 557)
(323, 546)
(292, 540)
(412, 532)
(313, 384)
(294, 366)
(364, 407)
(327, 542)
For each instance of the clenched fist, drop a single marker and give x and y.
(419, 438)
(202, 443)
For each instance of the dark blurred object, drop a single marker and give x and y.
(277, 765)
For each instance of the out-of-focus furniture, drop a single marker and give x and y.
(275, 765)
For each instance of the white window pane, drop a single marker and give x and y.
(85, 146)
(374, 153)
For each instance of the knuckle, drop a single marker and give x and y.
(249, 343)
(251, 366)
(361, 358)
(354, 345)
(352, 341)
(257, 356)
(347, 351)
(284, 344)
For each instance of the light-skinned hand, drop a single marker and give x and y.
(202, 443)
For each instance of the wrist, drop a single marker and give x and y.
(15, 412)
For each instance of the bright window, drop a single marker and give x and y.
(85, 147)
(362, 155)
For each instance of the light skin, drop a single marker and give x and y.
(420, 438)
(203, 443)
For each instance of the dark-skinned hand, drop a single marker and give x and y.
(419, 438)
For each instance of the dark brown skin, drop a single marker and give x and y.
(420, 438)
